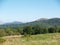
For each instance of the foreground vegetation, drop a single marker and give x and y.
(40, 39)
(2, 40)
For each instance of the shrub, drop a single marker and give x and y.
(2, 40)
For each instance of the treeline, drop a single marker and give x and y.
(31, 30)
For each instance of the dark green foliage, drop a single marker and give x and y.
(51, 30)
(59, 29)
(28, 30)
(45, 30)
(37, 29)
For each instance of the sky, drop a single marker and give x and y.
(28, 10)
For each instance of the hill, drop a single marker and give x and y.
(45, 22)
(53, 21)
(13, 23)
(42, 22)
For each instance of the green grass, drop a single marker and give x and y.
(2, 40)
(40, 39)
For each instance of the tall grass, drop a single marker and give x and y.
(40, 39)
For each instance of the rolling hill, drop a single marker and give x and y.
(42, 22)
(45, 22)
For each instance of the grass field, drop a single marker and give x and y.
(40, 39)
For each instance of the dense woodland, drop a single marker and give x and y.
(31, 30)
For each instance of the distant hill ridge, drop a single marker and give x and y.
(42, 21)
(15, 22)
(52, 21)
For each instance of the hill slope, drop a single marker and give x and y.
(42, 22)
(45, 22)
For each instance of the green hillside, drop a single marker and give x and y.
(42, 22)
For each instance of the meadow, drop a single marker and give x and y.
(39, 39)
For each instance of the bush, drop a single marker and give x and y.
(2, 40)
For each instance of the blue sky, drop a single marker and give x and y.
(28, 10)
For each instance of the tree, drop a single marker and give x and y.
(51, 30)
(45, 30)
(27, 30)
(37, 29)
